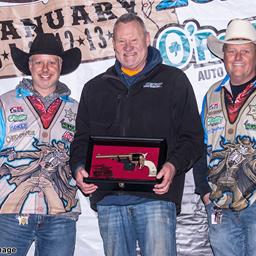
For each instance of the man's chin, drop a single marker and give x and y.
(130, 66)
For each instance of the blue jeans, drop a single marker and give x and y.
(236, 235)
(53, 235)
(152, 224)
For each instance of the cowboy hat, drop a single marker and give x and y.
(47, 43)
(238, 32)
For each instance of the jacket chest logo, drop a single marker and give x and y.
(153, 85)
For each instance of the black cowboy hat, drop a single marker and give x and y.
(47, 43)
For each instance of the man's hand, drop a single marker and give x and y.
(84, 187)
(206, 198)
(167, 172)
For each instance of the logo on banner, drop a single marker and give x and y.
(185, 45)
(90, 27)
(169, 4)
(182, 45)
(84, 24)
(17, 2)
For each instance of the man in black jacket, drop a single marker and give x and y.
(139, 97)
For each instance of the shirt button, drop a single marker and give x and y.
(44, 134)
(230, 131)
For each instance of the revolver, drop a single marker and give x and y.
(132, 160)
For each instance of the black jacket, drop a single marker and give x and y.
(161, 104)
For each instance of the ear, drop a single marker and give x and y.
(114, 45)
(60, 62)
(147, 38)
(30, 65)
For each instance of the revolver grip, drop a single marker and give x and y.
(152, 168)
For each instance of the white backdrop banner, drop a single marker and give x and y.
(179, 29)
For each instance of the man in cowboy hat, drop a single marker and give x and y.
(38, 197)
(229, 119)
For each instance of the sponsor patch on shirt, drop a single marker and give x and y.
(68, 136)
(211, 121)
(20, 126)
(70, 115)
(17, 118)
(214, 106)
(249, 126)
(11, 138)
(16, 109)
(215, 129)
(252, 111)
(214, 109)
(153, 85)
(67, 126)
